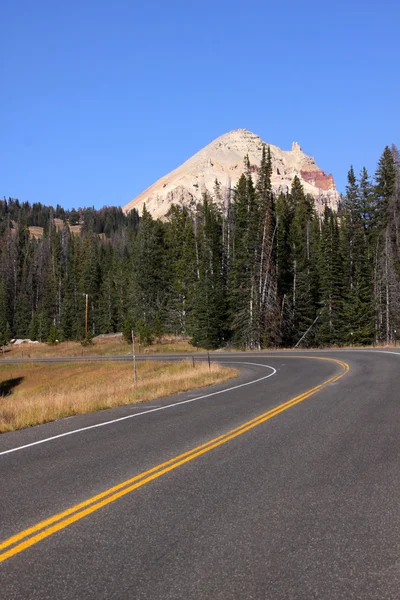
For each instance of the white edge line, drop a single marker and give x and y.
(145, 412)
(386, 352)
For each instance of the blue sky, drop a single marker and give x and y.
(100, 99)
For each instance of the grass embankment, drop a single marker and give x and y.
(99, 347)
(31, 394)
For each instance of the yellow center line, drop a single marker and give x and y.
(61, 520)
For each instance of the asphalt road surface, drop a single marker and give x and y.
(281, 484)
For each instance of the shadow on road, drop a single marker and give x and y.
(7, 386)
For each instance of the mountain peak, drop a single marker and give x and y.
(223, 160)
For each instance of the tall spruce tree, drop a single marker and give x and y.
(385, 277)
(242, 288)
(302, 262)
(355, 225)
(5, 331)
(330, 324)
(265, 275)
(209, 311)
(181, 251)
(149, 277)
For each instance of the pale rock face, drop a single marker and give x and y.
(223, 160)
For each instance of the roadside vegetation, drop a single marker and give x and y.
(31, 394)
(102, 346)
(117, 345)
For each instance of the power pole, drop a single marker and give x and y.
(87, 315)
(134, 359)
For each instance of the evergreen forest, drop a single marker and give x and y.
(248, 269)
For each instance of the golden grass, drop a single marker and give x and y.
(43, 392)
(37, 232)
(100, 347)
(171, 346)
(117, 346)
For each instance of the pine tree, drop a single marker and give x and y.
(301, 252)
(265, 275)
(107, 313)
(284, 260)
(284, 217)
(150, 280)
(355, 230)
(330, 324)
(181, 253)
(209, 311)
(242, 284)
(4, 315)
(53, 335)
(385, 177)
(366, 204)
(385, 277)
(127, 329)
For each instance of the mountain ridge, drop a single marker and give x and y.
(223, 160)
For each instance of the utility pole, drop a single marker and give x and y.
(134, 359)
(86, 314)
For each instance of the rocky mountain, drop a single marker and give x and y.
(223, 160)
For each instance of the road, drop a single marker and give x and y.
(281, 484)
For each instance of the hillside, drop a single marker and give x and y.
(39, 218)
(223, 160)
(37, 232)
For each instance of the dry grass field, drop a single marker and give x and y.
(36, 393)
(101, 347)
(37, 232)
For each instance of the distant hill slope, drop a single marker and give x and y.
(37, 232)
(223, 160)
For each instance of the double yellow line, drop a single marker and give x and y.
(31, 536)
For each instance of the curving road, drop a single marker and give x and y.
(281, 484)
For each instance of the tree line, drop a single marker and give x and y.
(246, 267)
